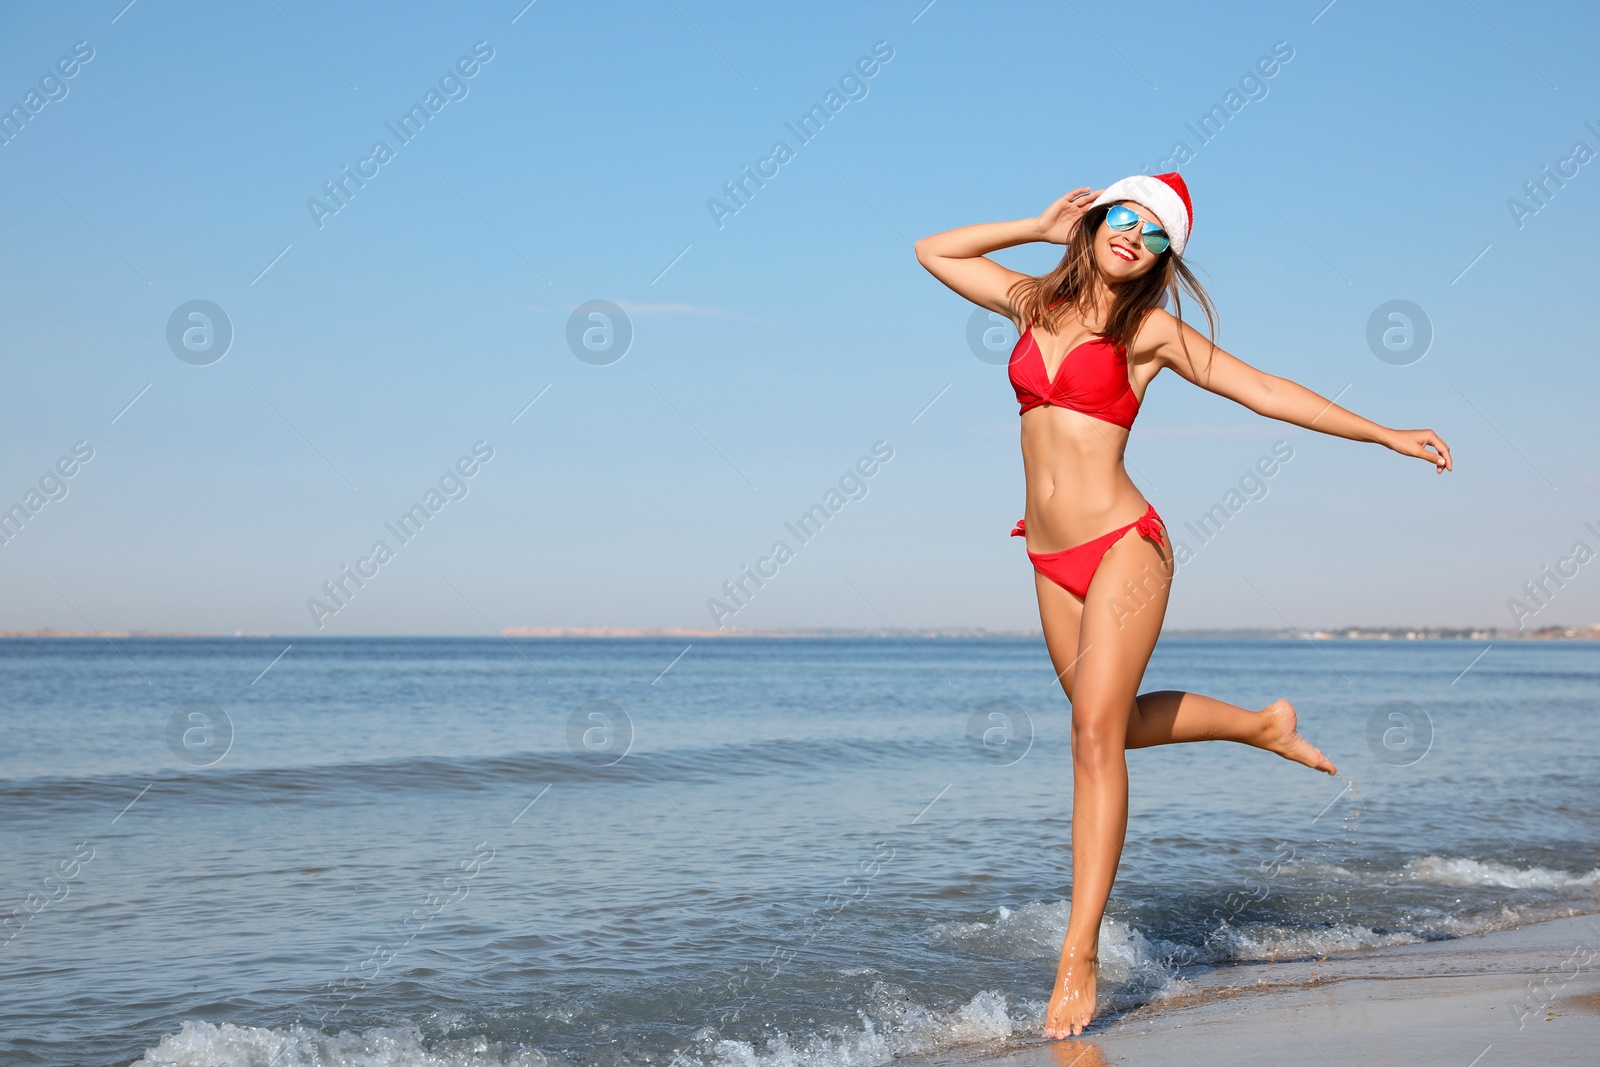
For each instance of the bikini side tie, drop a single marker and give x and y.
(1150, 526)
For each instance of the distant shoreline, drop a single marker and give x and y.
(1357, 633)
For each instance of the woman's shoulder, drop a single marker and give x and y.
(1158, 327)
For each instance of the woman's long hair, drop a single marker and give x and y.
(1047, 297)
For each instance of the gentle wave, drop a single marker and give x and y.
(202, 1044)
(1139, 967)
(1135, 969)
(892, 1028)
(1131, 967)
(476, 773)
(1441, 870)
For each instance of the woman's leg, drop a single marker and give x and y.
(1169, 717)
(1101, 675)
(1157, 718)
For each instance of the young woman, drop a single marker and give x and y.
(1094, 336)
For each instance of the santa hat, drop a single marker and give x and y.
(1165, 194)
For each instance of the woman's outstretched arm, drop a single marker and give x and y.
(1183, 348)
(959, 257)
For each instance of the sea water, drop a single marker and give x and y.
(723, 852)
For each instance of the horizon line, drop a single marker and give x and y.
(1586, 631)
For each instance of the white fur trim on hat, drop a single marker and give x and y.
(1159, 197)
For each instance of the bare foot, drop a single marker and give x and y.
(1072, 1002)
(1280, 736)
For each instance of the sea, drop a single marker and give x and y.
(724, 852)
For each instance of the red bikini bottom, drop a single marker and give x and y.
(1073, 568)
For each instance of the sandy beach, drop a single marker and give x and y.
(1524, 996)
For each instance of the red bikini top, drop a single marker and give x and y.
(1093, 379)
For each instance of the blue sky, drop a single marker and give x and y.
(375, 346)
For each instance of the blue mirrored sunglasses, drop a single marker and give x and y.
(1122, 217)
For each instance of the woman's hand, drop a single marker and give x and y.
(1060, 219)
(1418, 443)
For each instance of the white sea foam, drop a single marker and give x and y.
(1270, 941)
(202, 1044)
(1134, 965)
(1447, 870)
(1137, 969)
(1030, 931)
(892, 1028)
(1132, 968)
(1450, 870)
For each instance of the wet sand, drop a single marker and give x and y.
(1524, 996)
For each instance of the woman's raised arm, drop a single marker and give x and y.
(1181, 347)
(958, 257)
